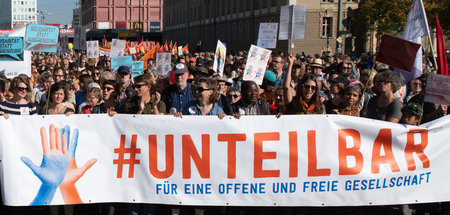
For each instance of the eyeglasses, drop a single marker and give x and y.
(233, 95)
(278, 62)
(22, 88)
(138, 85)
(96, 73)
(309, 87)
(201, 89)
(109, 88)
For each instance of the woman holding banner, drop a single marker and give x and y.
(18, 105)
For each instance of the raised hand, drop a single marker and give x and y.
(68, 190)
(53, 167)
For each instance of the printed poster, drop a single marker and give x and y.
(292, 18)
(267, 37)
(256, 64)
(92, 49)
(219, 58)
(117, 48)
(41, 38)
(163, 63)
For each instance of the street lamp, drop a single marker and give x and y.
(42, 14)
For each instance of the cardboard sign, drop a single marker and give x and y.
(438, 89)
(116, 62)
(163, 63)
(11, 48)
(93, 49)
(41, 38)
(397, 52)
(256, 64)
(137, 68)
(219, 58)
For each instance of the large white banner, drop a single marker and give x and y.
(325, 160)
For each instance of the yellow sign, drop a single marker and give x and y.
(127, 33)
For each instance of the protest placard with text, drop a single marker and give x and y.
(267, 36)
(116, 62)
(438, 89)
(256, 64)
(41, 38)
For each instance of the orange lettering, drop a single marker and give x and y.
(189, 151)
(260, 155)
(153, 157)
(293, 154)
(345, 152)
(312, 157)
(384, 139)
(418, 149)
(231, 139)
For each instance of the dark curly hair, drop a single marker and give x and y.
(388, 76)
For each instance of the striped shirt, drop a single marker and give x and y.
(17, 109)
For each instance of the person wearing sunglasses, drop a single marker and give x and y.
(206, 97)
(305, 99)
(97, 74)
(146, 100)
(18, 105)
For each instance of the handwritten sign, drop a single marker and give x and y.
(438, 89)
(116, 62)
(41, 38)
(11, 48)
(137, 69)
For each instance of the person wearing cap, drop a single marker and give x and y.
(126, 91)
(411, 114)
(146, 100)
(178, 95)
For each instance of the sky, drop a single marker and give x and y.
(61, 10)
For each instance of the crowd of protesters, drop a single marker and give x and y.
(293, 84)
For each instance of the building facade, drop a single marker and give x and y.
(122, 14)
(76, 21)
(236, 22)
(17, 13)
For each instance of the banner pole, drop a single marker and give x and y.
(432, 52)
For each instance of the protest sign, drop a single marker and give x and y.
(296, 160)
(64, 44)
(219, 58)
(41, 38)
(117, 48)
(397, 52)
(180, 50)
(116, 62)
(163, 64)
(92, 49)
(11, 48)
(137, 68)
(267, 36)
(256, 64)
(438, 89)
(292, 22)
(12, 67)
(79, 38)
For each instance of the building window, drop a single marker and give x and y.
(327, 1)
(327, 26)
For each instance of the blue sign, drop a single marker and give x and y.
(11, 47)
(41, 38)
(155, 26)
(116, 62)
(137, 69)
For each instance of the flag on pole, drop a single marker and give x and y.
(442, 56)
(415, 28)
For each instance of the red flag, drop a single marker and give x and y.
(442, 56)
(166, 48)
(105, 41)
(185, 49)
(171, 45)
(397, 52)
